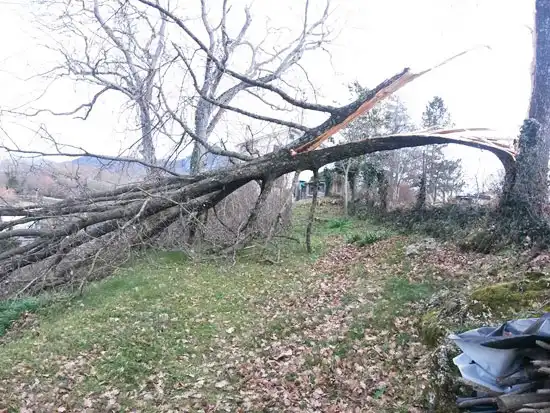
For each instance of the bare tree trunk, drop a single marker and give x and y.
(346, 188)
(526, 187)
(147, 144)
(421, 197)
(383, 186)
(202, 115)
(312, 209)
(294, 184)
(353, 182)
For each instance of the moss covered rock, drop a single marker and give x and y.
(531, 291)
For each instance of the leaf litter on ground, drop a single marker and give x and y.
(336, 335)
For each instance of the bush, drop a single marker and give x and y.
(353, 238)
(454, 222)
(340, 224)
(368, 238)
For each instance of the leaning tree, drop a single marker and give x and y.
(82, 231)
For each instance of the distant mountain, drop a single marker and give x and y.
(111, 166)
(213, 162)
(181, 166)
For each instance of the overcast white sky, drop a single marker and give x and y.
(377, 39)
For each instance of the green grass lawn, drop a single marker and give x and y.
(330, 331)
(165, 319)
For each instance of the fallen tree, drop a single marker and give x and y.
(77, 232)
(144, 210)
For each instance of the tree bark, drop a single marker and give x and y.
(353, 183)
(202, 115)
(312, 209)
(539, 108)
(512, 402)
(147, 144)
(383, 186)
(526, 187)
(346, 188)
(421, 197)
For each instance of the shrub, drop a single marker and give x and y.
(368, 238)
(371, 237)
(340, 224)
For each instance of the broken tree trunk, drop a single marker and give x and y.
(140, 211)
(104, 213)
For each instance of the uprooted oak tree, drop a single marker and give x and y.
(81, 235)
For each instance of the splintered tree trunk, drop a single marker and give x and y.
(312, 209)
(526, 187)
(133, 215)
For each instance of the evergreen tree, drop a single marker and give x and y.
(397, 167)
(440, 177)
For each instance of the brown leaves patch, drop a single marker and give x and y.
(320, 345)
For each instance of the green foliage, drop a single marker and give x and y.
(436, 114)
(379, 392)
(339, 224)
(448, 222)
(482, 240)
(441, 176)
(353, 238)
(368, 238)
(11, 310)
(401, 290)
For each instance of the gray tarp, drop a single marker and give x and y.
(490, 353)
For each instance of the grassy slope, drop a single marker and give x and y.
(333, 331)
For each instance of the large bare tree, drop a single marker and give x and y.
(175, 89)
(267, 62)
(114, 46)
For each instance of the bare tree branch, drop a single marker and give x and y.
(90, 154)
(220, 66)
